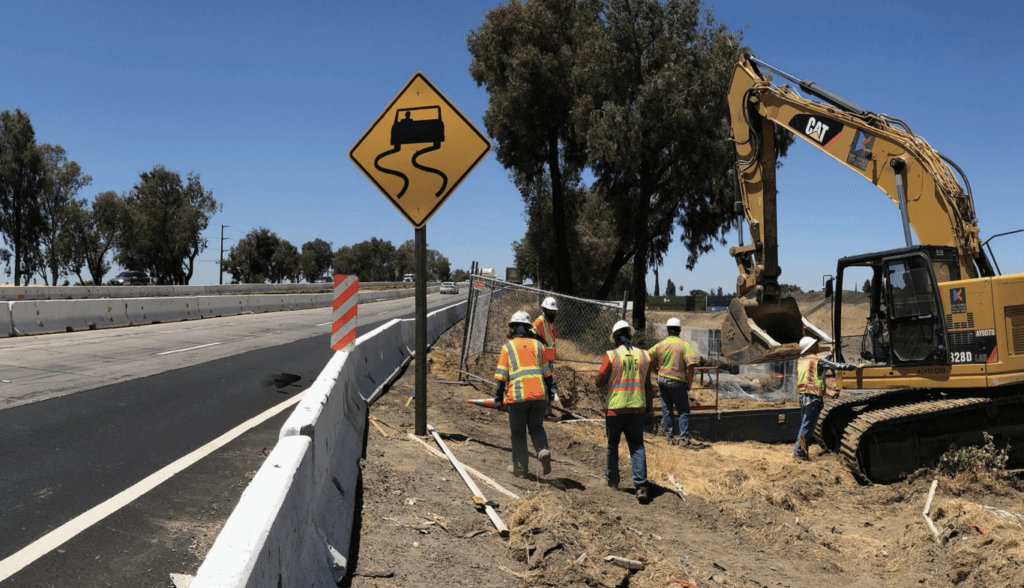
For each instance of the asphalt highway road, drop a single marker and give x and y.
(84, 416)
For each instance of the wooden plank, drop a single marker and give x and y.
(482, 477)
(478, 497)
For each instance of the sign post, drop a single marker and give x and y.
(443, 147)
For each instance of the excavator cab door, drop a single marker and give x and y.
(915, 320)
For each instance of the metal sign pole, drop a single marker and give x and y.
(421, 330)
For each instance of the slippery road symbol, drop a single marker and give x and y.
(408, 131)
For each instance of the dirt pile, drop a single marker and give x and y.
(751, 515)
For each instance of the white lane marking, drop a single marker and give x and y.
(68, 530)
(189, 349)
(323, 324)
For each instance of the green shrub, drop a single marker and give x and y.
(975, 460)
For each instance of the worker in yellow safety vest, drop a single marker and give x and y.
(674, 360)
(524, 385)
(810, 386)
(626, 371)
(544, 331)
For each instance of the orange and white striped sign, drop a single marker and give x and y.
(343, 329)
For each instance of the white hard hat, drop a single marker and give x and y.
(806, 343)
(549, 304)
(673, 322)
(618, 327)
(521, 317)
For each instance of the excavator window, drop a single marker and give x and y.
(914, 309)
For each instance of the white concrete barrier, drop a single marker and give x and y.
(274, 513)
(214, 306)
(83, 292)
(6, 324)
(268, 303)
(148, 311)
(280, 535)
(38, 317)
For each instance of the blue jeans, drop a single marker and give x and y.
(523, 416)
(678, 397)
(632, 426)
(810, 408)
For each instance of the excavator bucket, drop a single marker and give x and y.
(759, 333)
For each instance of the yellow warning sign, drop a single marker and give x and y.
(419, 150)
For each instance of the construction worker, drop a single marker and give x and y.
(626, 371)
(523, 383)
(674, 359)
(544, 331)
(810, 386)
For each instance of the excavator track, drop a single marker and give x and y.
(884, 435)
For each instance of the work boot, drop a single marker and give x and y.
(641, 494)
(612, 483)
(804, 453)
(517, 473)
(545, 460)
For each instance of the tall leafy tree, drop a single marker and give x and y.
(62, 180)
(315, 259)
(285, 263)
(372, 261)
(93, 230)
(670, 288)
(21, 181)
(525, 54)
(250, 260)
(656, 125)
(161, 230)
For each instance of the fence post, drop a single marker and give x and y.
(467, 325)
(625, 300)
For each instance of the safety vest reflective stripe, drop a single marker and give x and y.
(546, 331)
(525, 371)
(626, 385)
(808, 381)
(673, 356)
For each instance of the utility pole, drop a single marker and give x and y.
(221, 264)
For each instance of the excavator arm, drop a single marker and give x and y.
(882, 149)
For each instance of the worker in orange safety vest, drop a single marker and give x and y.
(810, 386)
(524, 384)
(674, 360)
(544, 331)
(626, 371)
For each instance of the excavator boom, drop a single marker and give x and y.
(883, 150)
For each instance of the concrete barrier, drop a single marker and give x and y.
(280, 535)
(274, 512)
(268, 303)
(6, 324)
(215, 306)
(39, 317)
(89, 292)
(148, 311)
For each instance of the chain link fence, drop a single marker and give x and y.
(583, 328)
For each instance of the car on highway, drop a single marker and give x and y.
(129, 279)
(324, 280)
(449, 288)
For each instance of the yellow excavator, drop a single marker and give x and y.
(941, 359)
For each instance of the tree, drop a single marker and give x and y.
(21, 180)
(460, 275)
(91, 234)
(866, 288)
(655, 122)
(371, 261)
(315, 259)
(284, 263)
(657, 291)
(525, 54)
(161, 230)
(670, 288)
(720, 291)
(62, 180)
(250, 260)
(790, 289)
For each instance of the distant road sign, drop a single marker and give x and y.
(440, 146)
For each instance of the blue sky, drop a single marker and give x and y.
(265, 99)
